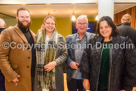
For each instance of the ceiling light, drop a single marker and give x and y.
(73, 17)
(97, 18)
(49, 14)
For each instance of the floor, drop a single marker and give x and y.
(65, 84)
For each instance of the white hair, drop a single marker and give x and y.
(2, 23)
(82, 17)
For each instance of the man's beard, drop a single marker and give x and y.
(20, 24)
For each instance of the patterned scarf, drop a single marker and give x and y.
(45, 53)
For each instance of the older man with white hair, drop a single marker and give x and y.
(79, 39)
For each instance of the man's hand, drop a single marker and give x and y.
(74, 65)
(50, 66)
(16, 79)
(86, 84)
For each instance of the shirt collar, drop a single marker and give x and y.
(77, 37)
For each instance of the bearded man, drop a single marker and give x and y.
(17, 53)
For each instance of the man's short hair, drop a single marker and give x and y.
(21, 9)
(126, 18)
(81, 17)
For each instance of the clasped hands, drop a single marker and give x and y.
(74, 65)
(50, 66)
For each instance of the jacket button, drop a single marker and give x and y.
(27, 66)
(28, 57)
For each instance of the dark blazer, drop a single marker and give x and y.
(71, 40)
(126, 30)
(2, 82)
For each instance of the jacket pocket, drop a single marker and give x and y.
(15, 68)
(118, 58)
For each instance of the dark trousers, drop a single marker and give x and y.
(2, 82)
(74, 85)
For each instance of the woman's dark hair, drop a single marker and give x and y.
(110, 23)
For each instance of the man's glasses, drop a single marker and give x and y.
(81, 24)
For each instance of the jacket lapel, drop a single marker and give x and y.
(115, 51)
(98, 48)
(20, 34)
(33, 35)
(73, 43)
